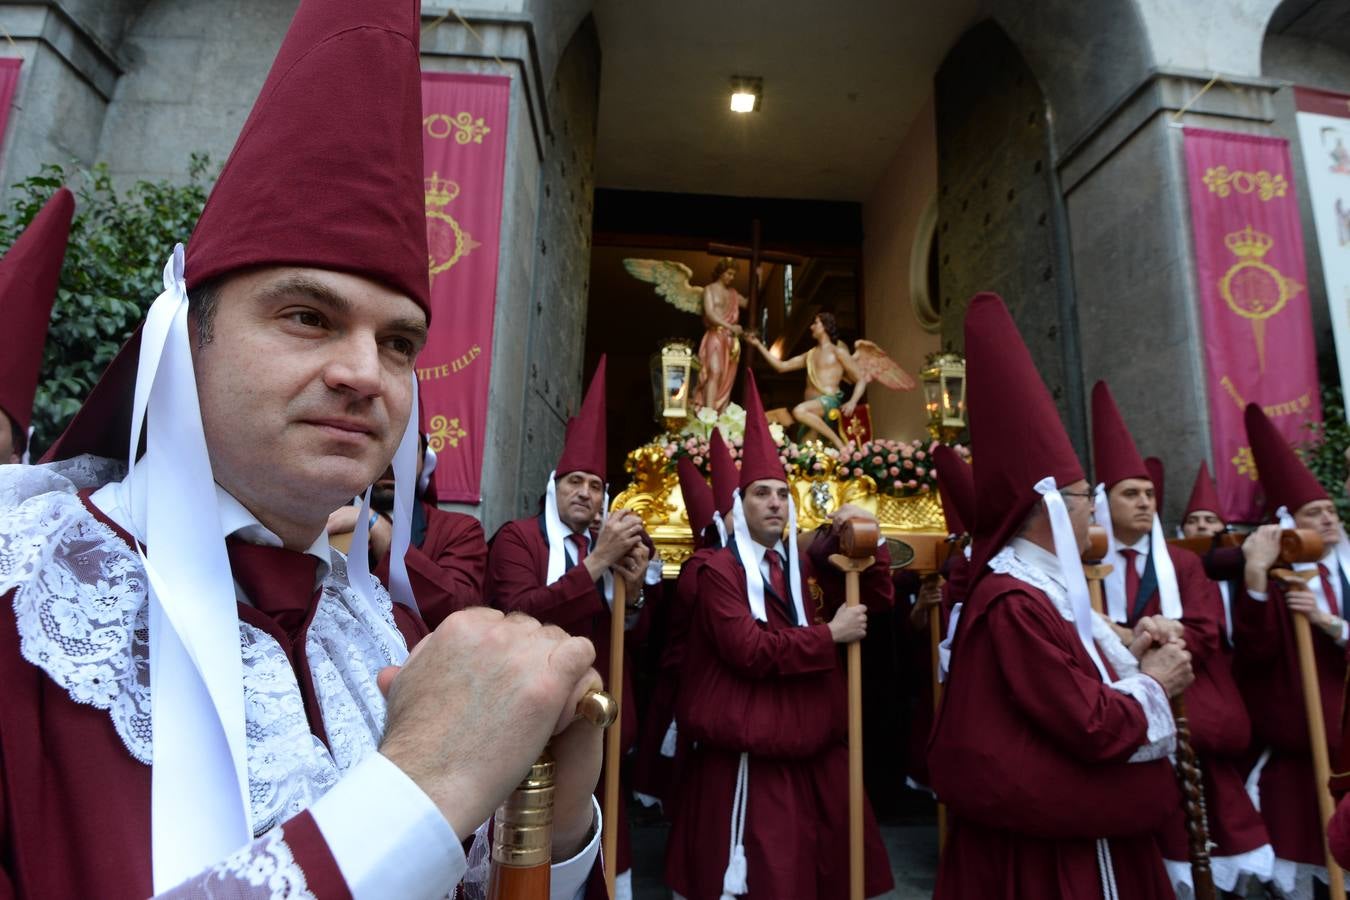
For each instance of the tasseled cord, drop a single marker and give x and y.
(734, 879)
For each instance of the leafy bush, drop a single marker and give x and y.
(119, 242)
(1324, 454)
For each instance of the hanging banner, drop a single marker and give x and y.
(9, 82)
(1258, 335)
(1324, 132)
(464, 124)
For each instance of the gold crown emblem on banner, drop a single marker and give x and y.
(439, 191)
(1248, 243)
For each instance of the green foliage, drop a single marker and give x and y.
(119, 242)
(1324, 454)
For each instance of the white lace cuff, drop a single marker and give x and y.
(1161, 739)
(388, 838)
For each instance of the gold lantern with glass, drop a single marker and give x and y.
(944, 389)
(674, 369)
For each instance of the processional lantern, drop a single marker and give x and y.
(944, 389)
(674, 368)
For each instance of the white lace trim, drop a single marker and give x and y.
(1162, 730)
(80, 606)
(264, 870)
(1230, 872)
(1007, 562)
(1295, 880)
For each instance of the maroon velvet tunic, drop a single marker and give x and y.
(517, 571)
(57, 756)
(775, 691)
(1268, 672)
(1220, 727)
(653, 773)
(447, 571)
(1030, 753)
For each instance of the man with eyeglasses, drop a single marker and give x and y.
(1050, 748)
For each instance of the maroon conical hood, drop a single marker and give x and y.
(29, 274)
(1114, 456)
(956, 489)
(1014, 420)
(1286, 481)
(1157, 473)
(584, 445)
(724, 473)
(759, 456)
(1204, 495)
(698, 496)
(327, 172)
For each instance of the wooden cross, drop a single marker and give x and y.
(756, 255)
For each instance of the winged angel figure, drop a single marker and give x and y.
(720, 305)
(828, 365)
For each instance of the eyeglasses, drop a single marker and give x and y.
(1086, 495)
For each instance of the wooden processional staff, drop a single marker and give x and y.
(522, 829)
(1188, 764)
(609, 841)
(858, 540)
(1300, 546)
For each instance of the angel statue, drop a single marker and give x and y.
(720, 305)
(828, 365)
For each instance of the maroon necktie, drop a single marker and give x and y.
(281, 586)
(1131, 577)
(579, 545)
(1328, 589)
(278, 582)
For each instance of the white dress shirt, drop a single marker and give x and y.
(387, 836)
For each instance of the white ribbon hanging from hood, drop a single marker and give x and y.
(557, 534)
(754, 579)
(358, 556)
(199, 776)
(1071, 564)
(199, 796)
(26, 459)
(1117, 604)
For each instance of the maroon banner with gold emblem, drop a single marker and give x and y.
(1254, 308)
(464, 121)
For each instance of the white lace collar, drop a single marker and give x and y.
(123, 502)
(81, 611)
(1039, 568)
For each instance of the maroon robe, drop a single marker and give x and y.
(56, 755)
(517, 570)
(1220, 727)
(446, 572)
(1030, 753)
(654, 774)
(1268, 672)
(775, 691)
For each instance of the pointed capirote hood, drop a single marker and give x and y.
(327, 171)
(956, 489)
(326, 174)
(698, 496)
(1284, 478)
(29, 273)
(584, 444)
(1114, 455)
(1204, 494)
(759, 455)
(1014, 417)
(725, 476)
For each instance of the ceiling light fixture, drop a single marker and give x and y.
(746, 93)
